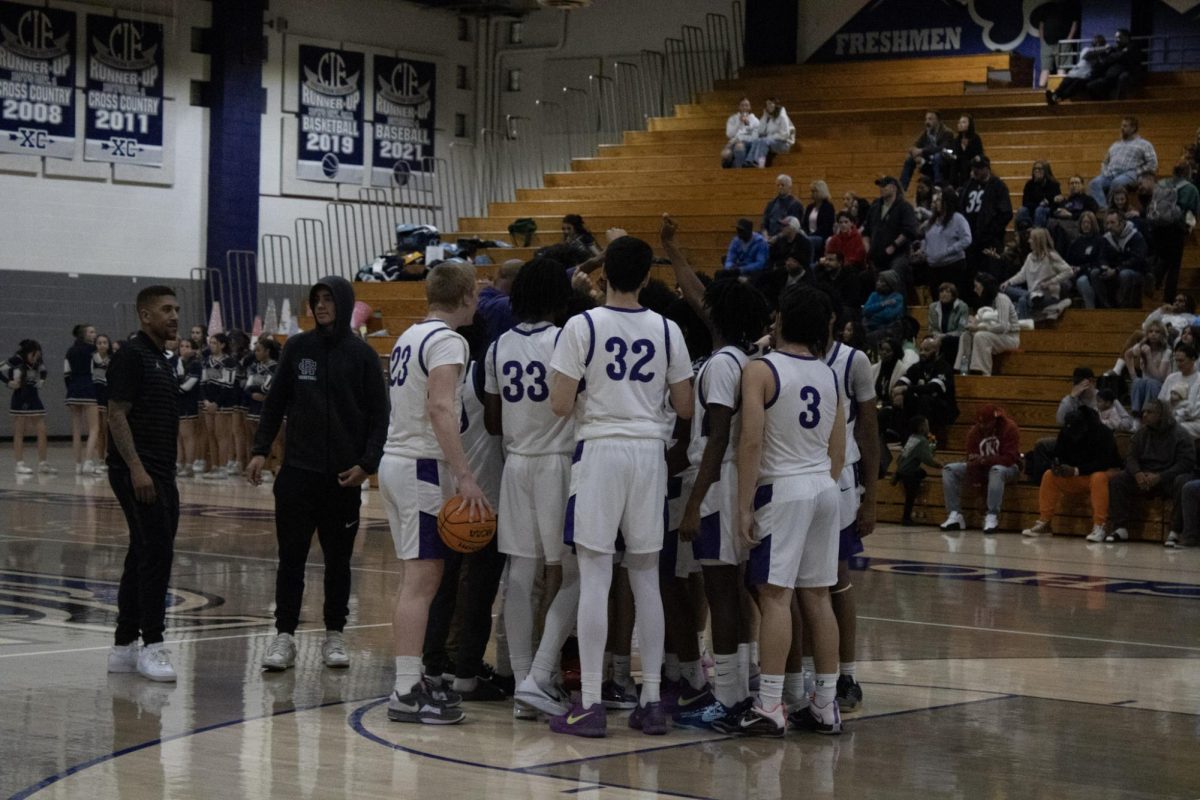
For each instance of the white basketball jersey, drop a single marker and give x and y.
(626, 358)
(419, 350)
(485, 454)
(799, 416)
(854, 374)
(518, 372)
(718, 382)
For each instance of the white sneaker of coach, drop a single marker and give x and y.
(154, 662)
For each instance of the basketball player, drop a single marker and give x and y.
(792, 447)
(423, 462)
(634, 361)
(737, 315)
(535, 483)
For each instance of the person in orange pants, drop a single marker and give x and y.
(1084, 453)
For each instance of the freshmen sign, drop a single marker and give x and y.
(331, 115)
(37, 81)
(124, 91)
(404, 118)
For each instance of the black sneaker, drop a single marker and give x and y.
(729, 722)
(849, 694)
(420, 707)
(506, 683)
(441, 693)
(756, 722)
(484, 692)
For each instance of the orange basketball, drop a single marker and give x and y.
(459, 533)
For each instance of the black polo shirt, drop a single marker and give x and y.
(139, 373)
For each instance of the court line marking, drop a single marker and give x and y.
(1037, 634)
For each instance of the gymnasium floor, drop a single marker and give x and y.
(992, 668)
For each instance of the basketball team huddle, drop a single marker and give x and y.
(618, 455)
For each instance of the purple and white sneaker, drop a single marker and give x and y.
(650, 719)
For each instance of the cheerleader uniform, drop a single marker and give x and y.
(100, 379)
(217, 382)
(240, 382)
(258, 380)
(26, 400)
(77, 370)
(189, 374)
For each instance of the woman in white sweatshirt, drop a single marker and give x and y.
(993, 328)
(776, 134)
(1042, 276)
(740, 130)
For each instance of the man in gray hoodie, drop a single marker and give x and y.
(1160, 452)
(1122, 267)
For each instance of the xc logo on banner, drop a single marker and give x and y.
(123, 148)
(33, 138)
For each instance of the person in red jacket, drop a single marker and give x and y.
(993, 456)
(845, 260)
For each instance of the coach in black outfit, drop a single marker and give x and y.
(330, 386)
(144, 422)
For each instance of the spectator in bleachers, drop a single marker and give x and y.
(944, 247)
(1160, 452)
(1079, 75)
(1190, 159)
(956, 164)
(927, 390)
(1119, 71)
(782, 205)
(1084, 456)
(857, 207)
(1037, 198)
(1117, 281)
(993, 455)
(790, 249)
(576, 234)
(1177, 316)
(494, 304)
(818, 219)
(747, 250)
(890, 230)
(1167, 207)
(845, 262)
(1082, 395)
(1083, 253)
(884, 309)
(1187, 500)
(1127, 158)
(947, 319)
(892, 363)
(1180, 392)
(776, 134)
(923, 200)
(927, 150)
(992, 329)
(852, 334)
(1068, 211)
(1037, 285)
(740, 130)
(1055, 20)
(987, 207)
(1112, 414)
(917, 452)
(1125, 201)
(1150, 361)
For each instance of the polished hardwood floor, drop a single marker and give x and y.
(993, 667)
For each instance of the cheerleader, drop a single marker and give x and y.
(25, 373)
(258, 383)
(243, 356)
(81, 398)
(216, 391)
(189, 370)
(100, 361)
(199, 337)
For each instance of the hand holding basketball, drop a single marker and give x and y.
(464, 529)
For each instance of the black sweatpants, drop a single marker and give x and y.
(303, 501)
(484, 570)
(142, 596)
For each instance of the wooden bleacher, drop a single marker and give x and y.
(854, 122)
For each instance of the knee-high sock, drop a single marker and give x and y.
(518, 613)
(595, 578)
(560, 621)
(643, 580)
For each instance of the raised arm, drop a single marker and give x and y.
(685, 275)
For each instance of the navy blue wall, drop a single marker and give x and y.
(236, 98)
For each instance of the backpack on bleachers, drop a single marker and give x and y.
(1164, 208)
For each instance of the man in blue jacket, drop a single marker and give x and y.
(330, 387)
(748, 250)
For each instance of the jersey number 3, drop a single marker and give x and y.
(618, 369)
(810, 417)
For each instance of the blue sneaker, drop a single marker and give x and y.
(701, 716)
(690, 699)
(650, 719)
(579, 721)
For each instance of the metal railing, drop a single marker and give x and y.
(1163, 52)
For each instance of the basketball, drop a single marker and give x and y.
(459, 533)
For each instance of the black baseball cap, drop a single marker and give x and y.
(981, 161)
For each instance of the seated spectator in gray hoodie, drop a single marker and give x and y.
(1160, 452)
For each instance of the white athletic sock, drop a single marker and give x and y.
(595, 578)
(793, 690)
(743, 668)
(408, 673)
(650, 625)
(807, 664)
(770, 691)
(620, 671)
(848, 669)
(518, 614)
(754, 660)
(671, 667)
(725, 679)
(826, 689)
(693, 673)
(560, 621)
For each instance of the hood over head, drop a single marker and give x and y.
(343, 301)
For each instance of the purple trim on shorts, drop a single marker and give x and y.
(707, 544)
(674, 488)
(668, 555)
(849, 544)
(429, 543)
(577, 456)
(762, 495)
(758, 569)
(427, 471)
(569, 520)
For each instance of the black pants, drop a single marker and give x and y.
(142, 597)
(1122, 490)
(1169, 241)
(304, 501)
(483, 579)
(912, 485)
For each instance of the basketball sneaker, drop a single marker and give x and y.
(700, 716)
(522, 711)
(650, 719)
(123, 658)
(690, 699)
(421, 707)
(826, 719)
(442, 694)
(953, 522)
(507, 683)
(617, 697)
(758, 721)
(154, 662)
(281, 653)
(579, 721)
(728, 723)
(333, 651)
(46, 468)
(483, 691)
(849, 694)
(553, 701)
(22, 469)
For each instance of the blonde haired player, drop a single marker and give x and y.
(424, 464)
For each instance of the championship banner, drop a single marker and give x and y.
(404, 118)
(331, 115)
(124, 91)
(37, 81)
